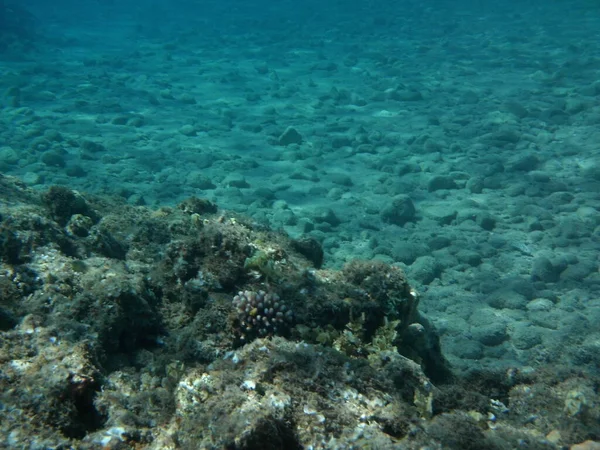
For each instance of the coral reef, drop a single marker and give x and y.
(261, 314)
(189, 327)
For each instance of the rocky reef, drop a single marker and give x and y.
(194, 328)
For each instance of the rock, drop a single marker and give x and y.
(441, 182)
(237, 181)
(76, 171)
(408, 252)
(491, 334)
(52, 158)
(341, 179)
(63, 203)
(544, 270)
(91, 147)
(469, 257)
(502, 138)
(327, 215)
(290, 136)
(401, 211)
(187, 99)
(8, 155)
(341, 141)
(310, 249)
(475, 185)
(439, 242)
(281, 217)
(525, 337)
(578, 272)
(425, 269)
(485, 221)
(465, 348)
(516, 109)
(586, 445)
(32, 178)
(442, 214)
(431, 146)
(268, 195)
(188, 130)
(198, 180)
(405, 95)
(506, 299)
(540, 304)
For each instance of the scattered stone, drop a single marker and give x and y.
(136, 121)
(310, 249)
(516, 109)
(54, 159)
(475, 185)
(525, 337)
(195, 205)
(469, 257)
(120, 120)
(425, 269)
(466, 348)
(187, 99)
(442, 214)
(79, 225)
(76, 171)
(407, 252)
(439, 242)
(237, 181)
(401, 211)
(469, 97)
(490, 334)
(342, 179)
(486, 221)
(525, 163)
(327, 215)
(439, 182)
(431, 146)
(540, 304)
(579, 272)
(544, 270)
(8, 156)
(341, 141)
(200, 181)
(92, 147)
(188, 130)
(403, 94)
(266, 194)
(290, 136)
(33, 178)
(502, 138)
(326, 66)
(506, 298)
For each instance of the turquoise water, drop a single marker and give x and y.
(457, 140)
(486, 116)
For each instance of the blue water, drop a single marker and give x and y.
(459, 140)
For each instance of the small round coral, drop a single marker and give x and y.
(261, 314)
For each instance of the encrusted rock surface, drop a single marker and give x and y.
(118, 330)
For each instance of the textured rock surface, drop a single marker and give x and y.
(140, 348)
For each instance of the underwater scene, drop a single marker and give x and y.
(254, 225)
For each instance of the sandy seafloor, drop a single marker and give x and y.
(486, 120)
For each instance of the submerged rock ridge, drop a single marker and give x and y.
(189, 327)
